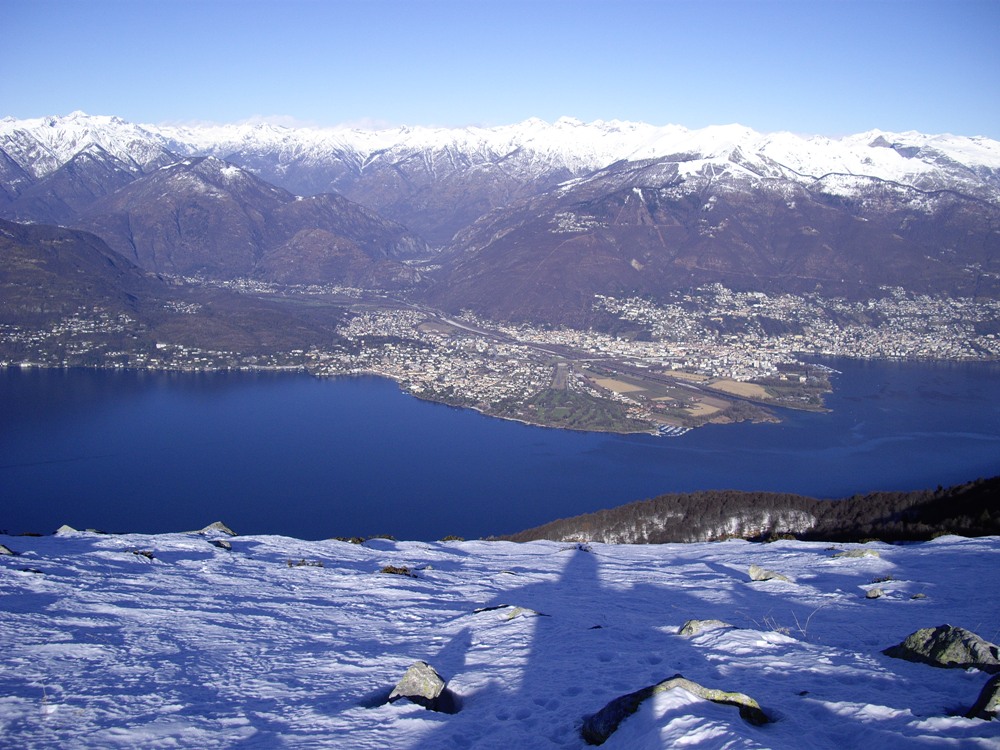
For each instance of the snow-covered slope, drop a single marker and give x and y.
(170, 641)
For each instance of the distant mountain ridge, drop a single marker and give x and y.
(359, 163)
(525, 221)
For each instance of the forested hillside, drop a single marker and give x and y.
(971, 509)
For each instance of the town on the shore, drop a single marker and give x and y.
(708, 355)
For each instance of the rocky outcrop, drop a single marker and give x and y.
(597, 728)
(218, 528)
(987, 706)
(948, 646)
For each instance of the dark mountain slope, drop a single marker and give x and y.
(48, 272)
(646, 229)
(60, 196)
(13, 180)
(204, 217)
(52, 276)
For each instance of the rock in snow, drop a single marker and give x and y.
(218, 528)
(948, 646)
(422, 685)
(758, 573)
(598, 727)
(859, 552)
(987, 706)
(693, 627)
(203, 648)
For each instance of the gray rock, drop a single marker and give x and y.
(987, 706)
(512, 611)
(693, 627)
(65, 529)
(948, 646)
(858, 553)
(875, 593)
(422, 685)
(758, 573)
(597, 728)
(218, 527)
(222, 543)
(5, 550)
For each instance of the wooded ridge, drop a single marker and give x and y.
(971, 509)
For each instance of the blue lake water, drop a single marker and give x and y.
(290, 454)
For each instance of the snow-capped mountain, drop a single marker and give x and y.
(437, 181)
(533, 148)
(538, 217)
(40, 146)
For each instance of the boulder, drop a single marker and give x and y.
(693, 627)
(5, 550)
(987, 706)
(222, 544)
(597, 728)
(948, 646)
(758, 573)
(875, 593)
(422, 685)
(858, 553)
(218, 528)
(512, 611)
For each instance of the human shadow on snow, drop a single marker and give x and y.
(580, 641)
(585, 639)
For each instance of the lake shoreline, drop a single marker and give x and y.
(289, 453)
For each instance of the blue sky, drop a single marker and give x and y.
(830, 67)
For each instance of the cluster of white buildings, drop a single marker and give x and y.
(897, 325)
(430, 362)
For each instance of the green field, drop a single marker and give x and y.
(577, 411)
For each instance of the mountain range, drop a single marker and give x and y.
(526, 221)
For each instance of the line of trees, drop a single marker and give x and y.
(971, 509)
